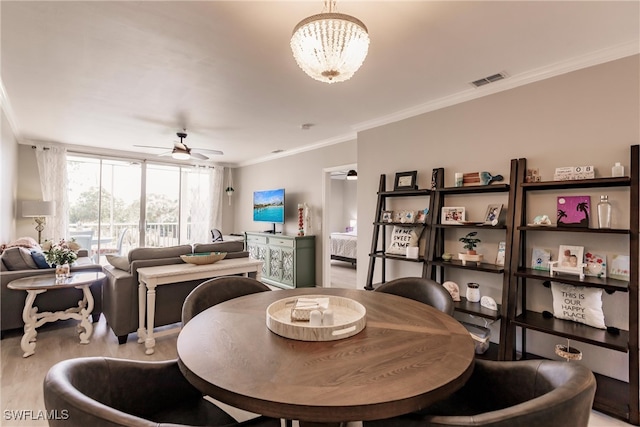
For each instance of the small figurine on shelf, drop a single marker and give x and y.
(300, 220)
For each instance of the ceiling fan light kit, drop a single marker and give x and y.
(352, 175)
(330, 47)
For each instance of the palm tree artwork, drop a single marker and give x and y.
(573, 211)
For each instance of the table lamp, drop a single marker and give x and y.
(38, 210)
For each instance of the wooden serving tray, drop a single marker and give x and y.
(349, 318)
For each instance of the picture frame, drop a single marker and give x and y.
(406, 181)
(596, 264)
(502, 247)
(386, 216)
(452, 215)
(492, 215)
(570, 256)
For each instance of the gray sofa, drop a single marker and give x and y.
(120, 291)
(15, 264)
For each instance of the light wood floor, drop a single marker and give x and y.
(21, 379)
(343, 275)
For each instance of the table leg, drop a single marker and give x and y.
(259, 273)
(86, 307)
(142, 298)
(150, 342)
(28, 341)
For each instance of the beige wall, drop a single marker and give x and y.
(587, 117)
(8, 181)
(302, 177)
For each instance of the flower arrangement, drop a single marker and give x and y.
(63, 252)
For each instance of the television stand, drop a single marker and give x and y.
(273, 229)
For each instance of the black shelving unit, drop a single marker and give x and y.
(379, 242)
(435, 267)
(614, 397)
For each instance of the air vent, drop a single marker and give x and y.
(490, 79)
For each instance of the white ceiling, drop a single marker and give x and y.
(117, 73)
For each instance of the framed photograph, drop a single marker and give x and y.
(386, 216)
(452, 215)
(406, 181)
(570, 256)
(573, 211)
(492, 214)
(620, 267)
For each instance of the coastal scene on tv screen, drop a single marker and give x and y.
(268, 206)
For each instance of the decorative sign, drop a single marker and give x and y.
(572, 173)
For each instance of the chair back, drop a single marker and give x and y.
(217, 290)
(101, 392)
(216, 235)
(121, 240)
(83, 238)
(426, 291)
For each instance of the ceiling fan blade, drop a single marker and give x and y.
(150, 146)
(166, 153)
(206, 150)
(199, 156)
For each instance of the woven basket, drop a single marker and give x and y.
(203, 258)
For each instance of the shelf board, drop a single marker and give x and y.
(491, 353)
(404, 224)
(608, 284)
(489, 268)
(484, 226)
(491, 188)
(406, 193)
(474, 308)
(611, 393)
(574, 229)
(623, 181)
(396, 257)
(574, 331)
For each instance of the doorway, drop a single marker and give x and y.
(339, 233)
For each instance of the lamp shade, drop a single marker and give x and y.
(36, 208)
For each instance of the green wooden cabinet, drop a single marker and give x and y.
(289, 261)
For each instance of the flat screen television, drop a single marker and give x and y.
(268, 206)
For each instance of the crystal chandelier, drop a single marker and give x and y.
(330, 46)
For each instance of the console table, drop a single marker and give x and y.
(35, 285)
(151, 277)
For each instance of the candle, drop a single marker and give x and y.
(327, 318)
(315, 318)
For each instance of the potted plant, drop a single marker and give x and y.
(470, 242)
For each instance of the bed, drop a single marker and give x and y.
(344, 246)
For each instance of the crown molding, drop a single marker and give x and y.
(573, 64)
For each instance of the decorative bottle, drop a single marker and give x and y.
(604, 212)
(617, 170)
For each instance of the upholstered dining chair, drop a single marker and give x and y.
(424, 290)
(101, 392)
(217, 290)
(511, 394)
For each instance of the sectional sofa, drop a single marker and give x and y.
(120, 291)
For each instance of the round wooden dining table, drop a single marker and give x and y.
(408, 356)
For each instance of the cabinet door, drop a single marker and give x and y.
(259, 252)
(288, 266)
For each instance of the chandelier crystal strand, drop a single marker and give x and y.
(330, 47)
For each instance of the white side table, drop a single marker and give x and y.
(35, 285)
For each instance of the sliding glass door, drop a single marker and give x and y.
(110, 198)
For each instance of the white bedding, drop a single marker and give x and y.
(344, 244)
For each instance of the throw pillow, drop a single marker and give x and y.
(578, 303)
(118, 261)
(24, 242)
(402, 238)
(18, 258)
(39, 259)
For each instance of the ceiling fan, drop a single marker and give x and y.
(181, 151)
